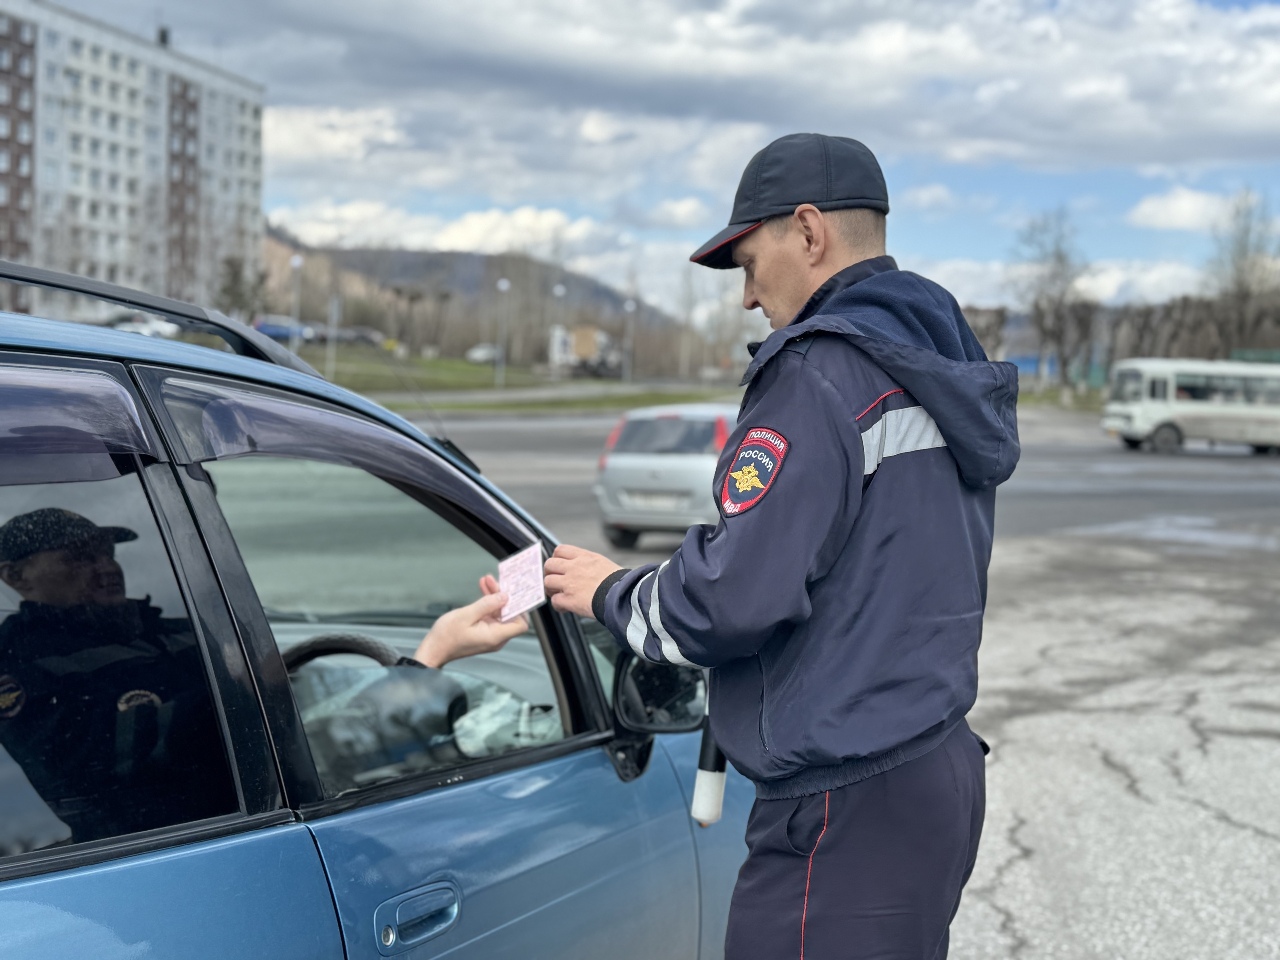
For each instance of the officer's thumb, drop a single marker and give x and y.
(491, 605)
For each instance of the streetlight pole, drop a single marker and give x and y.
(629, 340)
(500, 360)
(295, 263)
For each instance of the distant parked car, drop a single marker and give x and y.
(657, 467)
(144, 324)
(482, 353)
(284, 329)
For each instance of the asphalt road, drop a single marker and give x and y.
(1130, 687)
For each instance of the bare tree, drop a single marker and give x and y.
(1242, 273)
(988, 325)
(1047, 284)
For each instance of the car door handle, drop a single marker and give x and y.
(417, 916)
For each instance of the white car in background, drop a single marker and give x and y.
(656, 470)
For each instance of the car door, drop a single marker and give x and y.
(140, 810)
(480, 811)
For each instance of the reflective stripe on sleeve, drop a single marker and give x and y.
(899, 431)
(670, 650)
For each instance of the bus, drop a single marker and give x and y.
(1161, 403)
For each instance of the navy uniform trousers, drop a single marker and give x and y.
(870, 870)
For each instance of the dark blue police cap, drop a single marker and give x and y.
(832, 173)
(53, 528)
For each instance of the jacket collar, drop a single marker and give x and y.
(862, 270)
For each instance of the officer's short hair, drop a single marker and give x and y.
(859, 228)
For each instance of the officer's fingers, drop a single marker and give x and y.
(567, 551)
(557, 565)
(489, 585)
(555, 583)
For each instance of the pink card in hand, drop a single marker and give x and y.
(520, 578)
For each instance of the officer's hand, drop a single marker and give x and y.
(572, 575)
(470, 630)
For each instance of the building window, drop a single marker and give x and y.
(113, 184)
(4, 161)
(131, 186)
(95, 84)
(24, 200)
(27, 33)
(133, 97)
(5, 127)
(51, 71)
(115, 61)
(4, 93)
(113, 91)
(133, 68)
(4, 25)
(113, 152)
(24, 165)
(73, 110)
(77, 46)
(24, 131)
(95, 147)
(113, 213)
(26, 66)
(76, 174)
(6, 58)
(52, 38)
(95, 179)
(113, 122)
(24, 99)
(133, 128)
(73, 78)
(76, 140)
(50, 136)
(96, 53)
(93, 210)
(4, 194)
(133, 156)
(95, 117)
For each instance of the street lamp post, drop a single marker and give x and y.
(500, 360)
(295, 263)
(629, 340)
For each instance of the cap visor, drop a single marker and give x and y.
(119, 534)
(717, 252)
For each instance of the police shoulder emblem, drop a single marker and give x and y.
(12, 697)
(753, 469)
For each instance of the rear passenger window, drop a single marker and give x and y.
(671, 435)
(107, 722)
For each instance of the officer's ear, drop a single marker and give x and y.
(13, 573)
(814, 230)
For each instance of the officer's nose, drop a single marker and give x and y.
(749, 300)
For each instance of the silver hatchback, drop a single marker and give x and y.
(656, 470)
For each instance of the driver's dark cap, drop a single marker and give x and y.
(53, 528)
(832, 173)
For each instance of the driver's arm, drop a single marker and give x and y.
(470, 630)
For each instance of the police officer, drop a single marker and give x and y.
(103, 700)
(839, 600)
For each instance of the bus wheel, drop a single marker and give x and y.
(1166, 439)
(1262, 450)
(1131, 444)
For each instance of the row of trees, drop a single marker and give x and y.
(1238, 308)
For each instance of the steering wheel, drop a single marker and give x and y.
(330, 643)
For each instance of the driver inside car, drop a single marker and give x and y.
(103, 700)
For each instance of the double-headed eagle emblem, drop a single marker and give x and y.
(748, 478)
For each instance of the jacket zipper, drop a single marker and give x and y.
(764, 722)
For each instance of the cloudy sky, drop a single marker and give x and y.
(611, 133)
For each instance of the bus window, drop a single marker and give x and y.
(1126, 387)
(1265, 390)
(1214, 389)
(1158, 389)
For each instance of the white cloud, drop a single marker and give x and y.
(303, 134)
(931, 198)
(1180, 209)
(685, 212)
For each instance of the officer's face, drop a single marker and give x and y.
(777, 269)
(84, 574)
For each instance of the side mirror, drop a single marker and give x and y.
(657, 697)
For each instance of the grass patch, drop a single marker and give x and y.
(606, 403)
(1091, 401)
(369, 369)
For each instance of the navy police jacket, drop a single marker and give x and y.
(838, 602)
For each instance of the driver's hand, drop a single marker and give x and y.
(470, 630)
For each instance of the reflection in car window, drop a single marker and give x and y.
(107, 723)
(334, 550)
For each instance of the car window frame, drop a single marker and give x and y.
(243, 734)
(572, 670)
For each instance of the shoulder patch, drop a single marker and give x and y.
(752, 470)
(12, 697)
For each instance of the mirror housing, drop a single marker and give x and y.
(651, 698)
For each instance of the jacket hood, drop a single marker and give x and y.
(913, 330)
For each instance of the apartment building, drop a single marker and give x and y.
(122, 159)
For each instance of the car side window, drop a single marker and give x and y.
(359, 543)
(352, 573)
(107, 721)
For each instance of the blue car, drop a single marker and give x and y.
(213, 568)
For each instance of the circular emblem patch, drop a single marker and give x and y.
(753, 469)
(136, 698)
(12, 697)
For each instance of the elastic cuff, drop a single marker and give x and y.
(602, 592)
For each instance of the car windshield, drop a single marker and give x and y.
(1126, 387)
(667, 435)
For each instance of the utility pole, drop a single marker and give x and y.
(331, 341)
(629, 328)
(686, 321)
(295, 263)
(500, 360)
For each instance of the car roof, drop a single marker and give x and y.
(1194, 365)
(692, 411)
(20, 332)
